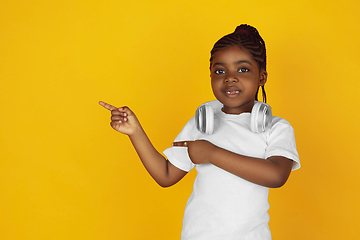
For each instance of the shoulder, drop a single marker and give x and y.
(280, 129)
(278, 122)
(187, 133)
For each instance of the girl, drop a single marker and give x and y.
(235, 165)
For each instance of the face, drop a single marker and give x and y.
(235, 78)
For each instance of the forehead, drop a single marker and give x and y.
(231, 55)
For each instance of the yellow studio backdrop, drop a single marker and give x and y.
(65, 174)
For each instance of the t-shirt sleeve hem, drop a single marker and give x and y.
(295, 159)
(172, 155)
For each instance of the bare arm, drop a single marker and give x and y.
(162, 171)
(272, 172)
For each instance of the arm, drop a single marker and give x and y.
(162, 171)
(272, 172)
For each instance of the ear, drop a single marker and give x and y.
(263, 77)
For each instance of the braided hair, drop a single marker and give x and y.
(245, 37)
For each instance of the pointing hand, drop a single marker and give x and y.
(123, 119)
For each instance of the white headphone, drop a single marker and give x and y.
(261, 117)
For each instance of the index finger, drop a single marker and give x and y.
(107, 106)
(181, 144)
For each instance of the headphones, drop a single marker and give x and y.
(260, 121)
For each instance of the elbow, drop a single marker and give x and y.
(278, 181)
(276, 185)
(280, 173)
(164, 183)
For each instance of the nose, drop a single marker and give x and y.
(231, 79)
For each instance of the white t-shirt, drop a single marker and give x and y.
(222, 205)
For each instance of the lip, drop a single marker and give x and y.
(232, 92)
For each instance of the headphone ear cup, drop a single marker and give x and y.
(261, 117)
(204, 119)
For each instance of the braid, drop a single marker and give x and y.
(263, 93)
(245, 36)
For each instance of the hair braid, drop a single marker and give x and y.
(245, 37)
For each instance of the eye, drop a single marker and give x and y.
(243, 70)
(219, 71)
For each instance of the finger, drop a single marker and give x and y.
(116, 124)
(107, 106)
(125, 109)
(181, 144)
(126, 112)
(117, 112)
(118, 118)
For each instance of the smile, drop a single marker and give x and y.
(233, 93)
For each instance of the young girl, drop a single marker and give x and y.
(235, 165)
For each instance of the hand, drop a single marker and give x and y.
(122, 119)
(200, 151)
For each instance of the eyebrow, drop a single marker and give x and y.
(238, 62)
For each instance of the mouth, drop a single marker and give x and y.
(232, 93)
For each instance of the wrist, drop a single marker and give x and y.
(213, 154)
(138, 132)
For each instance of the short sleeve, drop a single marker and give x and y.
(178, 156)
(281, 142)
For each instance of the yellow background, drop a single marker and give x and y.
(65, 174)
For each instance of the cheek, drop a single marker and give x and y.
(252, 86)
(215, 84)
(216, 89)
